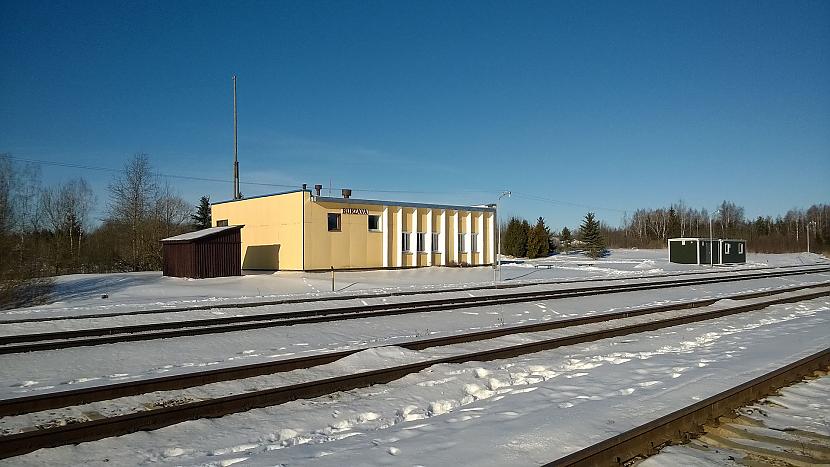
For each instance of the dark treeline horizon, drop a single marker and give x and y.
(47, 231)
(787, 233)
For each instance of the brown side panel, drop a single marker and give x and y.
(178, 260)
(219, 256)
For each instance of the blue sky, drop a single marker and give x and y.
(607, 106)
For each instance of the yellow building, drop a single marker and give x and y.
(301, 231)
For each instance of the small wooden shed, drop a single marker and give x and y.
(212, 252)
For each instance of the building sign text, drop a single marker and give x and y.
(365, 212)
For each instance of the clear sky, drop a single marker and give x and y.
(609, 105)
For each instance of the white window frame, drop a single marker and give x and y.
(461, 243)
(740, 248)
(726, 247)
(339, 218)
(421, 242)
(474, 242)
(405, 245)
(436, 242)
(379, 229)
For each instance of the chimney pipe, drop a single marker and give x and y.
(317, 189)
(346, 192)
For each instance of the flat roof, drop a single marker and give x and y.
(325, 199)
(331, 199)
(199, 234)
(260, 196)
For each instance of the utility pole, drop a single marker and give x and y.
(236, 194)
(497, 265)
(807, 225)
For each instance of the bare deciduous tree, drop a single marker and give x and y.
(132, 199)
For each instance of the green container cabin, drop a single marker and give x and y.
(701, 251)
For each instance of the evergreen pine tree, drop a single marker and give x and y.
(673, 224)
(592, 237)
(201, 220)
(565, 239)
(538, 240)
(514, 240)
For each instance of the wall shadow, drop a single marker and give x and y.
(262, 257)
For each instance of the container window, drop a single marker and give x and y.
(435, 241)
(740, 248)
(222, 223)
(726, 248)
(374, 223)
(334, 222)
(405, 241)
(421, 241)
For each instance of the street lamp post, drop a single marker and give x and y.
(712, 241)
(497, 263)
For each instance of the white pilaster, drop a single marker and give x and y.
(491, 234)
(455, 230)
(442, 237)
(429, 237)
(413, 238)
(480, 245)
(398, 233)
(384, 227)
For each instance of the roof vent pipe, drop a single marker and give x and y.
(317, 189)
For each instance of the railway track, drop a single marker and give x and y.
(39, 402)
(28, 441)
(397, 293)
(684, 424)
(106, 335)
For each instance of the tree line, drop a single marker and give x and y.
(651, 228)
(520, 240)
(48, 230)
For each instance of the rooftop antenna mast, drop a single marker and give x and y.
(236, 194)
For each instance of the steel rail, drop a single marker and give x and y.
(21, 443)
(98, 336)
(46, 401)
(396, 293)
(684, 424)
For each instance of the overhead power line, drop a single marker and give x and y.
(219, 180)
(529, 196)
(564, 203)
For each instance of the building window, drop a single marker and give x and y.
(334, 222)
(222, 223)
(405, 242)
(461, 246)
(473, 242)
(726, 248)
(421, 242)
(435, 241)
(374, 223)
(740, 248)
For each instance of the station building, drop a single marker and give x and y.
(304, 231)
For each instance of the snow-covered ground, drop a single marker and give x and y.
(522, 411)
(84, 366)
(81, 293)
